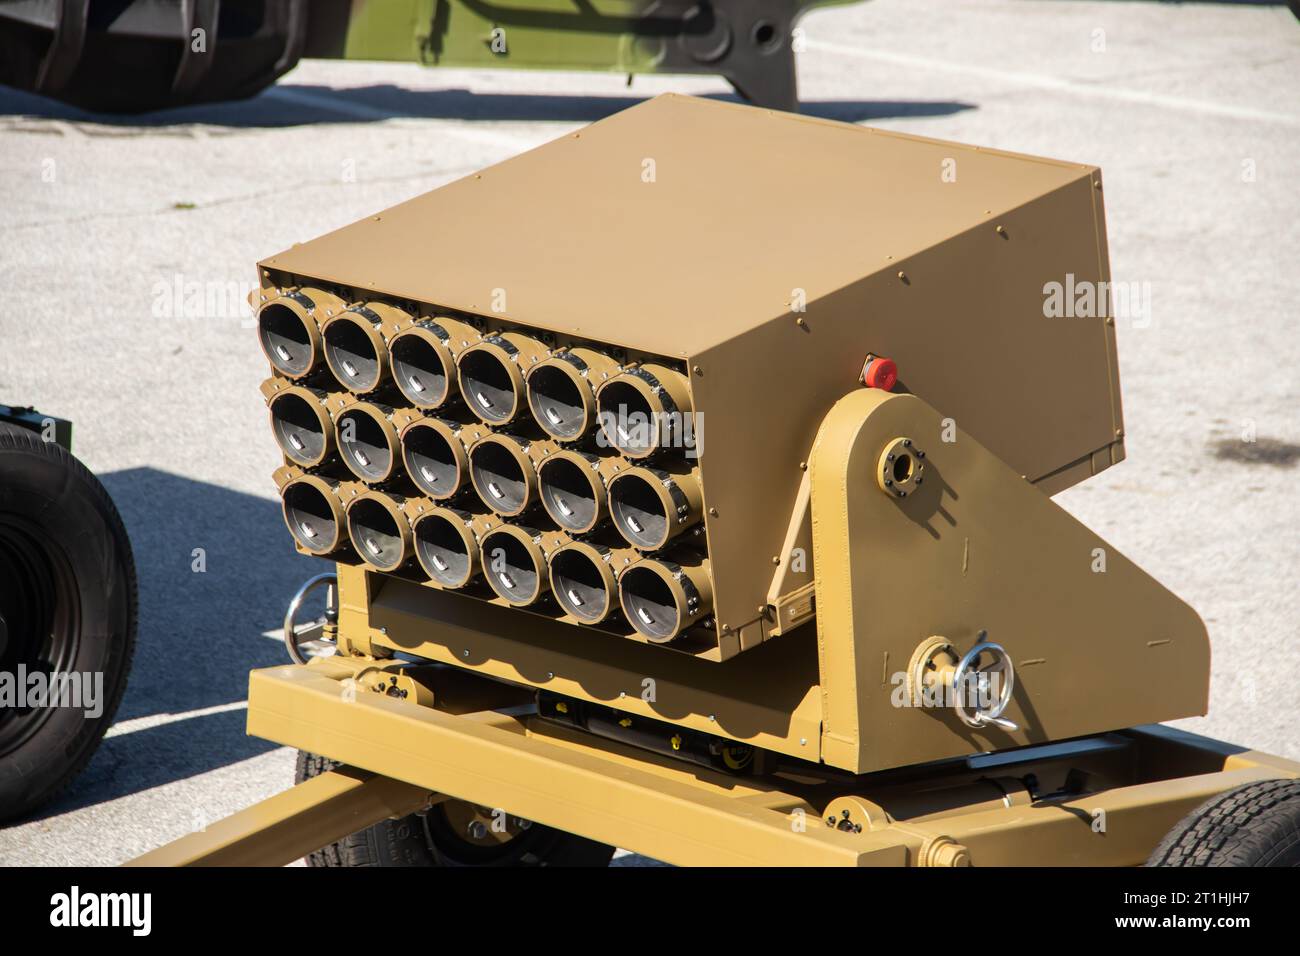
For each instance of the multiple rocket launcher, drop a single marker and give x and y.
(545, 452)
(492, 461)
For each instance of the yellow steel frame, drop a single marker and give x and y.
(676, 812)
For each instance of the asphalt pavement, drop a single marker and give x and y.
(1192, 111)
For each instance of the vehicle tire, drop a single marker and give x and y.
(68, 606)
(1254, 825)
(431, 839)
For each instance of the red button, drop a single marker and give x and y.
(880, 373)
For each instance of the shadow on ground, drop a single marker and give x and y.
(201, 630)
(294, 104)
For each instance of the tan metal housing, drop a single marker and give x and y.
(764, 283)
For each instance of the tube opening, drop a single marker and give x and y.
(568, 494)
(299, 428)
(498, 477)
(375, 534)
(579, 586)
(638, 511)
(365, 445)
(511, 568)
(311, 516)
(351, 355)
(487, 386)
(627, 418)
(649, 603)
(431, 461)
(442, 551)
(419, 370)
(286, 339)
(557, 401)
(902, 468)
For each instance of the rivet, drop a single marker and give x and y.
(799, 321)
(697, 370)
(803, 466)
(1001, 230)
(713, 512)
(775, 560)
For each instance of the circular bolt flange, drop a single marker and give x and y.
(930, 656)
(900, 469)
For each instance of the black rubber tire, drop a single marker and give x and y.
(422, 839)
(50, 496)
(1254, 825)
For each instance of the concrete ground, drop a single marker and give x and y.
(1191, 109)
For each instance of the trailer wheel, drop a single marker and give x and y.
(1254, 825)
(452, 833)
(67, 607)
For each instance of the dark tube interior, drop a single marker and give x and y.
(367, 454)
(486, 384)
(637, 511)
(498, 477)
(509, 568)
(351, 355)
(627, 419)
(285, 339)
(430, 461)
(578, 586)
(297, 428)
(310, 518)
(556, 402)
(375, 534)
(441, 549)
(419, 371)
(648, 603)
(567, 493)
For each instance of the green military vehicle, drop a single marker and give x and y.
(151, 54)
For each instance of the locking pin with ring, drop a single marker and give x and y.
(317, 629)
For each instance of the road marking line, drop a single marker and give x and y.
(158, 720)
(1045, 81)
